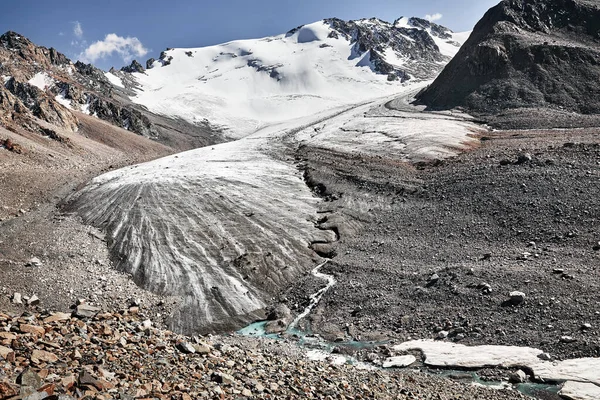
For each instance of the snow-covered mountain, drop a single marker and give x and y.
(246, 84)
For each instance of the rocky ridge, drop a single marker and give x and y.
(512, 69)
(42, 84)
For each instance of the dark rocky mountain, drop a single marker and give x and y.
(527, 63)
(41, 85)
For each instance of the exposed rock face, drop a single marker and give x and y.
(133, 67)
(525, 54)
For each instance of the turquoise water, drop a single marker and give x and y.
(308, 340)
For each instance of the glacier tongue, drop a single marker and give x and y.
(223, 226)
(227, 227)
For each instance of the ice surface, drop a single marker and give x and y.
(228, 226)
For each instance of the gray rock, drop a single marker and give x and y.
(517, 298)
(33, 301)
(34, 262)
(433, 279)
(16, 298)
(524, 158)
(186, 348)
(223, 378)
(281, 311)
(86, 311)
(30, 382)
(442, 335)
(518, 377)
(567, 339)
(545, 357)
(201, 348)
(485, 288)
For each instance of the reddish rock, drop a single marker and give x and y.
(33, 329)
(7, 353)
(43, 356)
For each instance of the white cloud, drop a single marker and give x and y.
(127, 48)
(433, 17)
(77, 30)
(61, 34)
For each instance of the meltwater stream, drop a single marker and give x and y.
(258, 328)
(321, 350)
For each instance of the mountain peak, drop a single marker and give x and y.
(524, 55)
(13, 40)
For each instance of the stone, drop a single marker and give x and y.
(567, 339)
(399, 362)
(7, 390)
(517, 298)
(68, 381)
(281, 311)
(7, 336)
(442, 334)
(524, 158)
(34, 262)
(201, 348)
(57, 317)
(86, 379)
(43, 356)
(33, 329)
(36, 396)
(17, 298)
(147, 324)
(586, 326)
(86, 311)
(485, 288)
(7, 354)
(186, 348)
(545, 357)
(33, 301)
(29, 379)
(518, 377)
(433, 279)
(223, 378)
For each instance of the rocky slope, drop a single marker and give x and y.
(528, 63)
(42, 84)
(92, 354)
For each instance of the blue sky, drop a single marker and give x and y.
(111, 32)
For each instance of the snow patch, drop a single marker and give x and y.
(115, 80)
(63, 100)
(41, 80)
